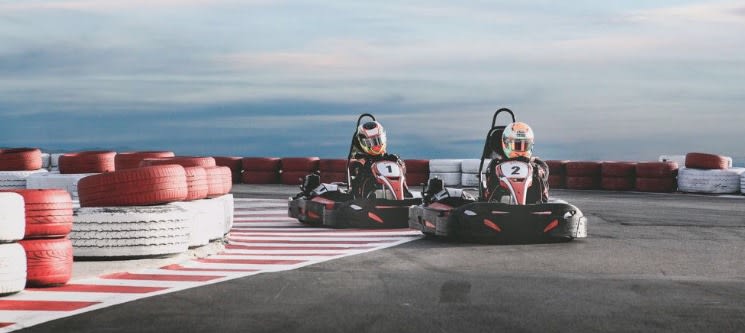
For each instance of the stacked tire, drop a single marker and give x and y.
(557, 173)
(333, 170)
(131, 160)
(583, 175)
(417, 172)
(709, 173)
(87, 162)
(260, 170)
(448, 170)
(295, 168)
(12, 255)
(618, 176)
(470, 172)
(656, 176)
(17, 165)
(234, 163)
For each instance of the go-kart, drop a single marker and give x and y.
(379, 200)
(498, 215)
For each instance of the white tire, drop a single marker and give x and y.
(742, 183)
(12, 217)
(46, 160)
(67, 182)
(17, 179)
(469, 180)
(443, 166)
(717, 181)
(207, 219)
(54, 160)
(472, 165)
(132, 231)
(448, 178)
(12, 268)
(229, 207)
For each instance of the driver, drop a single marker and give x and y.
(517, 144)
(370, 147)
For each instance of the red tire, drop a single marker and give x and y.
(417, 166)
(582, 169)
(292, 177)
(87, 162)
(260, 177)
(557, 167)
(234, 163)
(618, 183)
(184, 161)
(656, 169)
(304, 164)
(48, 261)
(661, 185)
(219, 181)
(20, 159)
(196, 183)
(555, 181)
(131, 160)
(618, 169)
(582, 182)
(49, 212)
(414, 178)
(134, 187)
(706, 161)
(261, 164)
(333, 177)
(332, 165)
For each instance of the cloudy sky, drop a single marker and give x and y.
(621, 80)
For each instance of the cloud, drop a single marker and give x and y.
(115, 5)
(732, 12)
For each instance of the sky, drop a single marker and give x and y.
(597, 80)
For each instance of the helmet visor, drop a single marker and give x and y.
(521, 145)
(373, 142)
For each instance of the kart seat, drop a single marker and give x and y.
(493, 147)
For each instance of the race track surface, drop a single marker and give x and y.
(651, 263)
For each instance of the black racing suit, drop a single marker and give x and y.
(363, 181)
(538, 191)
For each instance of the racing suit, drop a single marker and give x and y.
(363, 181)
(538, 191)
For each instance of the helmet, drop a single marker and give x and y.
(371, 138)
(517, 140)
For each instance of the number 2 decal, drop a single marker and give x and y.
(515, 169)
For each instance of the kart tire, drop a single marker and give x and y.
(660, 185)
(712, 181)
(583, 169)
(48, 261)
(19, 159)
(445, 166)
(332, 165)
(13, 274)
(556, 181)
(196, 183)
(618, 169)
(184, 161)
(261, 164)
(417, 166)
(292, 177)
(707, 161)
(333, 177)
(657, 169)
(48, 213)
(12, 217)
(304, 164)
(234, 163)
(416, 178)
(259, 177)
(87, 162)
(131, 160)
(617, 183)
(557, 167)
(134, 187)
(448, 178)
(582, 182)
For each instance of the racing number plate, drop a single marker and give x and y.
(514, 169)
(388, 169)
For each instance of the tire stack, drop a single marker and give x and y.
(54, 161)
(446, 169)
(557, 173)
(417, 172)
(129, 213)
(583, 175)
(709, 173)
(132, 159)
(618, 176)
(333, 170)
(470, 172)
(72, 167)
(48, 222)
(656, 176)
(295, 168)
(260, 170)
(17, 165)
(234, 163)
(12, 255)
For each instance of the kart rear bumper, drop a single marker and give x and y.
(357, 213)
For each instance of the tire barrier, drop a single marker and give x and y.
(417, 172)
(18, 179)
(54, 161)
(678, 159)
(556, 173)
(449, 170)
(582, 182)
(470, 172)
(260, 170)
(707, 161)
(196, 183)
(48, 213)
(742, 184)
(48, 261)
(234, 163)
(618, 176)
(712, 181)
(207, 219)
(184, 161)
(583, 175)
(13, 273)
(131, 160)
(295, 168)
(12, 217)
(656, 176)
(219, 181)
(333, 170)
(229, 206)
(618, 183)
(134, 187)
(134, 231)
(20, 159)
(87, 162)
(660, 185)
(46, 161)
(56, 180)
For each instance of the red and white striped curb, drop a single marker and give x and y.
(263, 239)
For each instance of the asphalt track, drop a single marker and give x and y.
(651, 263)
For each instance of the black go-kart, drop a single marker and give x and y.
(502, 218)
(376, 197)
